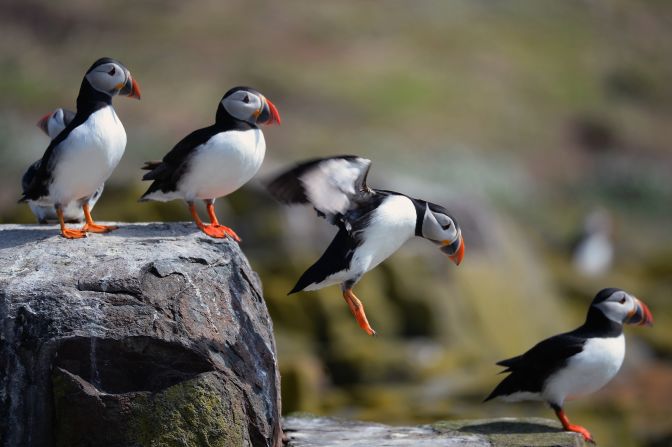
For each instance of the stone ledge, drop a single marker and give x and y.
(311, 431)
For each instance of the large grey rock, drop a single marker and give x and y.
(308, 431)
(151, 335)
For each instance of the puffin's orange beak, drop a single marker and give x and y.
(269, 113)
(455, 249)
(130, 88)
(640, 315)
(43, 123)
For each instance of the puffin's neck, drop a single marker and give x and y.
(224, 121)
(420, 206)
(598, 324)
(90, 99)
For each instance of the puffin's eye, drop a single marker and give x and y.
(112, 71)
(246, 99)
(445, 227)
(622, 300)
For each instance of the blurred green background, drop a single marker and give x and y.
(522, 117)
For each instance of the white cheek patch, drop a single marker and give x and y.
(238, 109)
(431, 229)
(614, 311)
(101, 80)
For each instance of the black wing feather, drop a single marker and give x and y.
(529, 371)
(167, 173)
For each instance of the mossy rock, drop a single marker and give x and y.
(193, 413)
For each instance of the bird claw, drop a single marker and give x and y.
(70, 233)
(228, 231)
(220, 232)
(95, 228)
(583, 432)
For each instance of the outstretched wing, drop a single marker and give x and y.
(332, 185)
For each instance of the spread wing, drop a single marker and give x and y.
(333, 185)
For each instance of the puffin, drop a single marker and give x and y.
(83, 155)
(575, 363)
(52, 124)
(372, 223)
(593, 250)
(216, 160)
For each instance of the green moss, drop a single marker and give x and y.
(192, 413)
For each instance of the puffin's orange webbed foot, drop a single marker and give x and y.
(229, 232)
(213, 231)
(564, 420)
(95, 228)
(71, 233)
(357, 309)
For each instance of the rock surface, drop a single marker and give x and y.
(506, 432)
(151, 335)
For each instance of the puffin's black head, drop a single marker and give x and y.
(439, 227)
(110, 77)
(247, 104)
(621, 307)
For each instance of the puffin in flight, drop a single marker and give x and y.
(575, 363)
(216, 160)
(372, 223)
(52, 124)
(83, 155)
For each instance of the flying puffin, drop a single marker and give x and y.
(82, 156)
(52, 124)
(372, 223)
(216, 160)
(575, 363)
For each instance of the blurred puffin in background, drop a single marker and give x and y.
(216, 160)
(575, 363)
(83, 155)
(372, 223)
(52, 124)
(593, 251)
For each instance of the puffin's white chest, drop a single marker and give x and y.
(391, 225)
(223, 164)
(87, 157)
(587, 371)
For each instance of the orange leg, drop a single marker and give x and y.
(357, 309)
(571, 427)
(66, 232)
(210, 230)
(92, 227)
(209, 205)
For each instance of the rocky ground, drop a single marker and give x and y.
(308, 431)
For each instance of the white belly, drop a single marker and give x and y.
(223, 164)
(88, 156)
(392, 224)
(587, 371)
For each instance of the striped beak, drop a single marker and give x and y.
(269, 113)
(454, 249)
(130, 88)
(640, 315)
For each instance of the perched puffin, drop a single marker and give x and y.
(216, 160)
(372, 223)
(575, 363)
(82, 156)
(52, 124)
